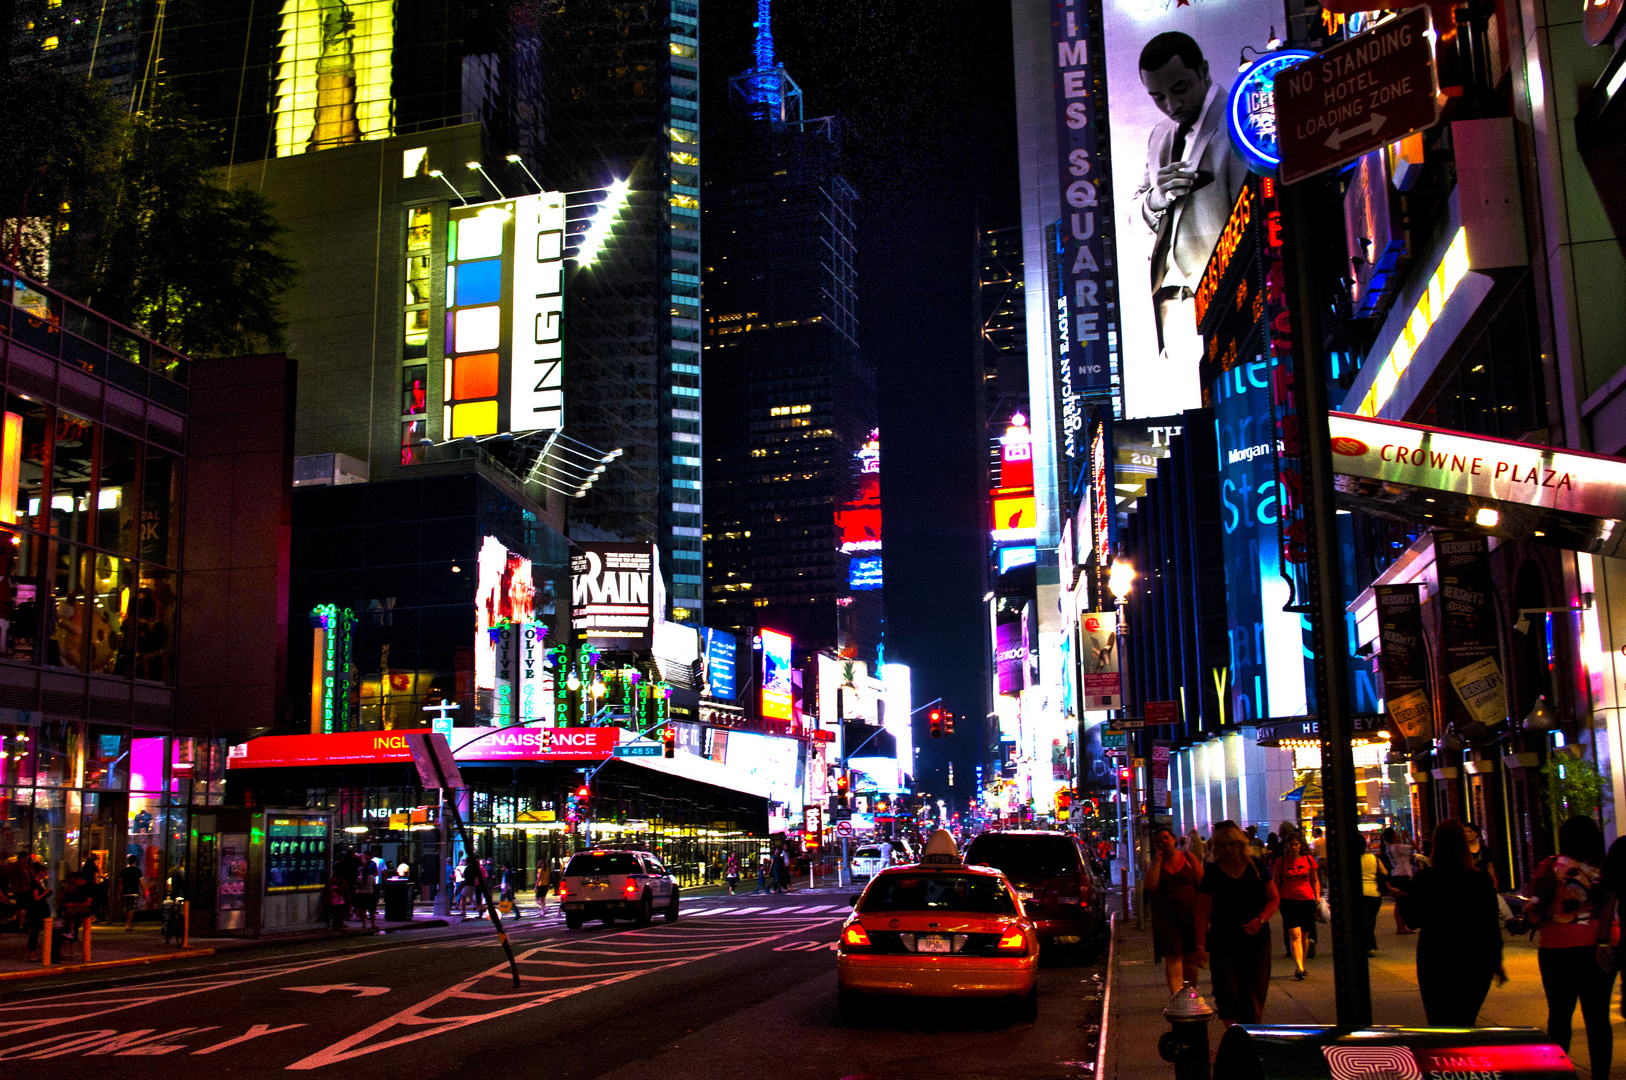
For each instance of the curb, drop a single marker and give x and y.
(133, 961)
(248, 945)
(1106, 1000)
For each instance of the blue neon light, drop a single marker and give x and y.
(1250, 114)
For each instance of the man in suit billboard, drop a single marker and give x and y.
(1191, 181)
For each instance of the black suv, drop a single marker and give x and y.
(1056, 880)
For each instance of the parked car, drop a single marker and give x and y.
(938, 928)
(867, 861)
(611, 883)
(1056, 880)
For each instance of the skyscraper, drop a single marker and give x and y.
(793, 499)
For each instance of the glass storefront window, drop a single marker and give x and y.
(68, 610)
(22, 459)
(107, 759)
(154, 616)
(160, 508)
(19, 595)
(72, 456)
(111, 649)
(116, 493)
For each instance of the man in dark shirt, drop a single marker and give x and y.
(130, 890)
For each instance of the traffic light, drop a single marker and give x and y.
(1123, 776)
(948, 723)
(669, 741)
(582, 792)
(842, 785)
(937, 723)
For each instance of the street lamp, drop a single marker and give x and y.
(1120, 579)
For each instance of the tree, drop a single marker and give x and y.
(141, 228)
(193, 263)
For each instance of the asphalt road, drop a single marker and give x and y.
(736, 988)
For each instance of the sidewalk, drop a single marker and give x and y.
(1139, 993)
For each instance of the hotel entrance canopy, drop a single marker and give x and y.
(1449, 479)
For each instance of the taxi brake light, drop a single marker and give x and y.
(854, 937)
(1013, 940)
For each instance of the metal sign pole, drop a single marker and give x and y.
(1308, 219)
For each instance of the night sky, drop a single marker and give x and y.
(925, 93)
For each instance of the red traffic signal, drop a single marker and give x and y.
(582, 792)
(948, 723)
(841, 785)
(937, 723)
(1123, 775)
(669, 741)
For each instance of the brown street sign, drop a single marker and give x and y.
(1372, 90)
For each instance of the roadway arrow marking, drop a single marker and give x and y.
(360, 991)
(1339, 138)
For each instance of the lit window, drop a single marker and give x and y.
(418, 222)
(683, 157)
(686, 201)
(686, 51)
(49, 43)
(415, 162)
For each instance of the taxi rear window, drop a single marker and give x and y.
(974, 893)
(867, 853)
(602, 862)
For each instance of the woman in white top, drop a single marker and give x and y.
(1401, 868)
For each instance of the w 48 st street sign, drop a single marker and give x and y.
(1372, 90)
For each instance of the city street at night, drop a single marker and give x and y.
(736, 988)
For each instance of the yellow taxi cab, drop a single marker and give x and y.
(938, 928)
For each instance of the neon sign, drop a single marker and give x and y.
(1250, 113)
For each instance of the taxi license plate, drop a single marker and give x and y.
(933, 943)
(1026, 894)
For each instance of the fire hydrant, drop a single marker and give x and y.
(1186, 1042)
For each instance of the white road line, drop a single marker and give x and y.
(415, 1025)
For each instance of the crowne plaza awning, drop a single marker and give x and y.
(1450, 479)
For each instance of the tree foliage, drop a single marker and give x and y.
(143, 231)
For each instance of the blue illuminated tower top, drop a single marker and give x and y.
(768, 91)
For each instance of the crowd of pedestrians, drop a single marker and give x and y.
(1211, 906)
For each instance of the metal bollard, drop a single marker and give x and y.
(1186, 1042)
(84, 937)
(46, 935)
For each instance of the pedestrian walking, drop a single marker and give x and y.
(1196, 849)
(762, 874)
(543, 878)
(462, 881)
(1298, 883)
(1398, 847)
(1171, 884)
(1614, 884)
(37, 908)
(1452, 906)
(366, 894)
(1374, 884)
(1574, 951)
(1235, 903)
(731, 871)
(130, 890)
(1482, 855)
(338, 905)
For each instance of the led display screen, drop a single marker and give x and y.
(1012, 557)
(864, 574)
(717, 652)
(504, 598)
(776, 684)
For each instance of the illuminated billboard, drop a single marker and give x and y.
(717, 652)
(864, 573)
(504, 600)
(333, 73)
(617, 594)
(858, 521)
(504, 311)
(776, 684)
(1175, 176)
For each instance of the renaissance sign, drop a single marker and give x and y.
(468, 744)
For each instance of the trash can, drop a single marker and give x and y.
(1291, 1053)
(397, 900)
